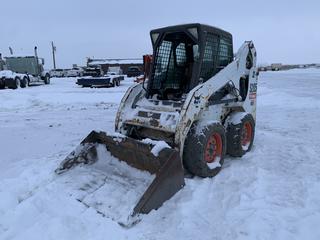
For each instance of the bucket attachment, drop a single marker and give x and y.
(167, 166)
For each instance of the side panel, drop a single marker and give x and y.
(23, 65)
(196, 106)
(133, 94)
(251, 101)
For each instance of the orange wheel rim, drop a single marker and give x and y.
(213, 149)
(246, 137)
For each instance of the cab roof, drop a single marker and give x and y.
(201, 28)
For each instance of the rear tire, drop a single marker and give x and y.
(240, 134)
(16, 83)
(118, 83)
(24, 82)
(2, 83)
(204, 153)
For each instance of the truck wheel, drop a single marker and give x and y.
(204, 153)
(118, 83)
(24, 82)
(2, 83)
(240, 134)
(15, 83)
(47, 79)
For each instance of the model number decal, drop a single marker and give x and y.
(196, 100)
(253, 87)
(253, 91)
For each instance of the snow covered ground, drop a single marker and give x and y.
(271, 193)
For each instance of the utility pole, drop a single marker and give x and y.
(54, 49)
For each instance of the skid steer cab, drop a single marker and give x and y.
(198, 105)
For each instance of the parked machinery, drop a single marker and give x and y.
(23, 71)
(198, 105)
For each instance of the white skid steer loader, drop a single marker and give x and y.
(198, 105)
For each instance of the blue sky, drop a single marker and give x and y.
(283, 31)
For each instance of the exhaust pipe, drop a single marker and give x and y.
(36, 52)
(37, 59)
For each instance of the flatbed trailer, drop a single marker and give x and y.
(106, 81)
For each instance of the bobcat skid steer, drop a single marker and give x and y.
(198, 105)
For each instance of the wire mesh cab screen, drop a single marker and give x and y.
(174, 58)
(218, 53)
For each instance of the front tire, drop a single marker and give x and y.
(47, 79)
(2, 83)
(204, 152)
(240, 134)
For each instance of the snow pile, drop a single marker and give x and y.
(113, 188)
(6, 73)
(235, 118)
(215, 163)
(116, 61)
(158, 146)
(202, 126)
(10, 74)
(117, 136)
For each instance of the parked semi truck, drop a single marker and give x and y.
(276, 66)
(23, 71)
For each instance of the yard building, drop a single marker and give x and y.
(124, 64)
